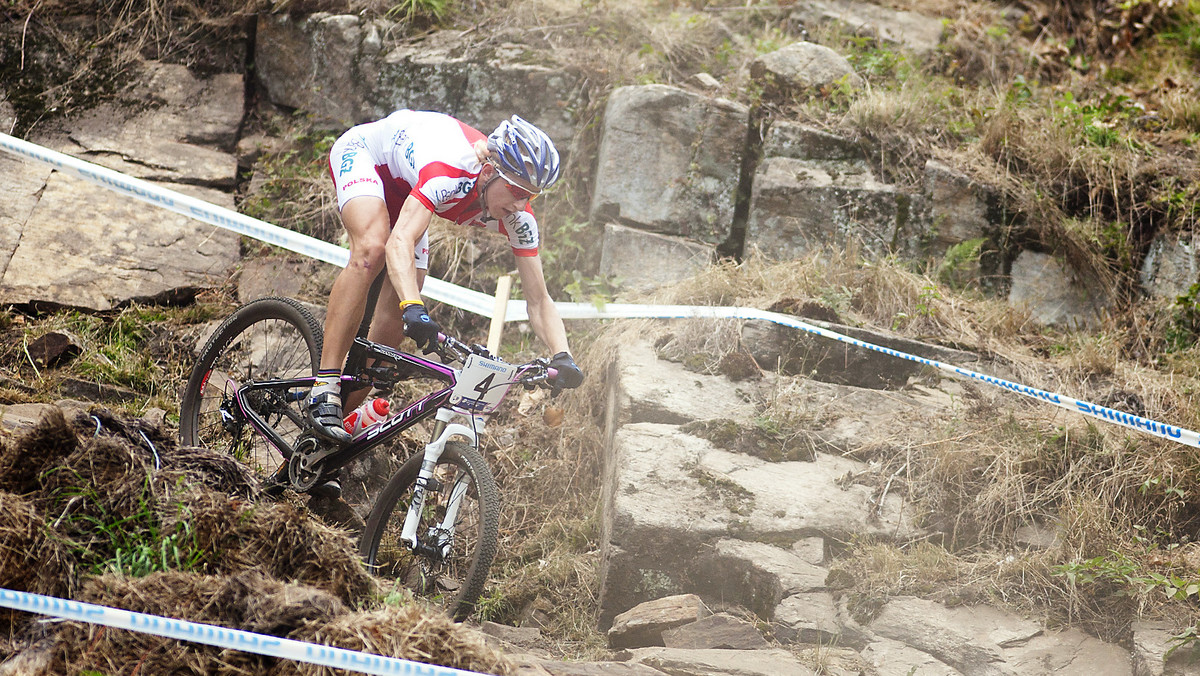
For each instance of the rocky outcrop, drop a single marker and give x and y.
(169, 125)
(638, 259)
(21, 185)
(802, 69)
(345, 70)
(68, 242)
(801, 206)
(1157, 650)
(1171, 266)
(691, 529)
(675, 504)
(1054, 294)
(912, 31)
(670, 162)
(671, 187)
(795, 352)
(324, 64)
(109, 250)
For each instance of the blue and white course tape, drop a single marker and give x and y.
(221, 637)
(483, 304)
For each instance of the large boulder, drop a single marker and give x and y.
(913, 31)
(481, 88)
(344, 70)
(324, 64)
(670, 162)
(644, 260)
(802, 69)
(962, 231)
(803, 142)
(800, 206)
(170, 125)
(1053, 293)
(21, 185)
(959, 207)
(105, 250)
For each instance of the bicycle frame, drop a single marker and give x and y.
(334, 457)
(416, 524)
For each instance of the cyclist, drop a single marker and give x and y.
(391, 177)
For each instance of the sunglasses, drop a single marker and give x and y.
(517, 191)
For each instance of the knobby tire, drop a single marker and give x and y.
(475, 539)
(269, 338)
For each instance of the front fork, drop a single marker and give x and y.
(443, 429)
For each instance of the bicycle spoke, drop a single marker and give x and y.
(452, 579)
(265, 340)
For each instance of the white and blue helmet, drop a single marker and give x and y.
(520, 149)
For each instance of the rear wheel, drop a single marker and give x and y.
(267, 339)
(449, 566)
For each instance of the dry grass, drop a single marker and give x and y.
(255, 602)
(979, 479)
(71, 498)
(1004, 464)
(548, 568)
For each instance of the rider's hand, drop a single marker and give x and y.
(569, 376)
(418, 326)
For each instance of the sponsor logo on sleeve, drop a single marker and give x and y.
(348, 155)
(365, 179)
(456, 191)
(525, 232)
(347, 162)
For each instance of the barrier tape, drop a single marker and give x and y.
(436, 289)
(221, 637)
(483, 304)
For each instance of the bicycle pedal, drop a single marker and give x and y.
(331, 489)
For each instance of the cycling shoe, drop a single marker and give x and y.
(325, 418)
(330, 488)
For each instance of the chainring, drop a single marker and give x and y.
(303, 478)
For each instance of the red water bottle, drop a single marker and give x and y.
(369, 413)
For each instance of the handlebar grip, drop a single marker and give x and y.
(551, 373)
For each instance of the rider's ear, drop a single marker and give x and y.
(481, 151)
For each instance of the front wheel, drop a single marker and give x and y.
(266, 339)
(450, 564)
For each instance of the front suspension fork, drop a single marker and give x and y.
(443, 429)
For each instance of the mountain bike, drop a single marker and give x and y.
(434, 527)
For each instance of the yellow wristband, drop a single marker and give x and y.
(405, 303)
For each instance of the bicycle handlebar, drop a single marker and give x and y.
(536, 373)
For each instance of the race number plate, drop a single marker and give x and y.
(482, 384)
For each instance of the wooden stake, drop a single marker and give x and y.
(503, 288)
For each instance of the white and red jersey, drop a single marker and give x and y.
(430, 156)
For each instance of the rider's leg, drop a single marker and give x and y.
(387, 326)
(368, 225)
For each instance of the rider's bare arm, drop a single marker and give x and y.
(543, 315)
(401, 246)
